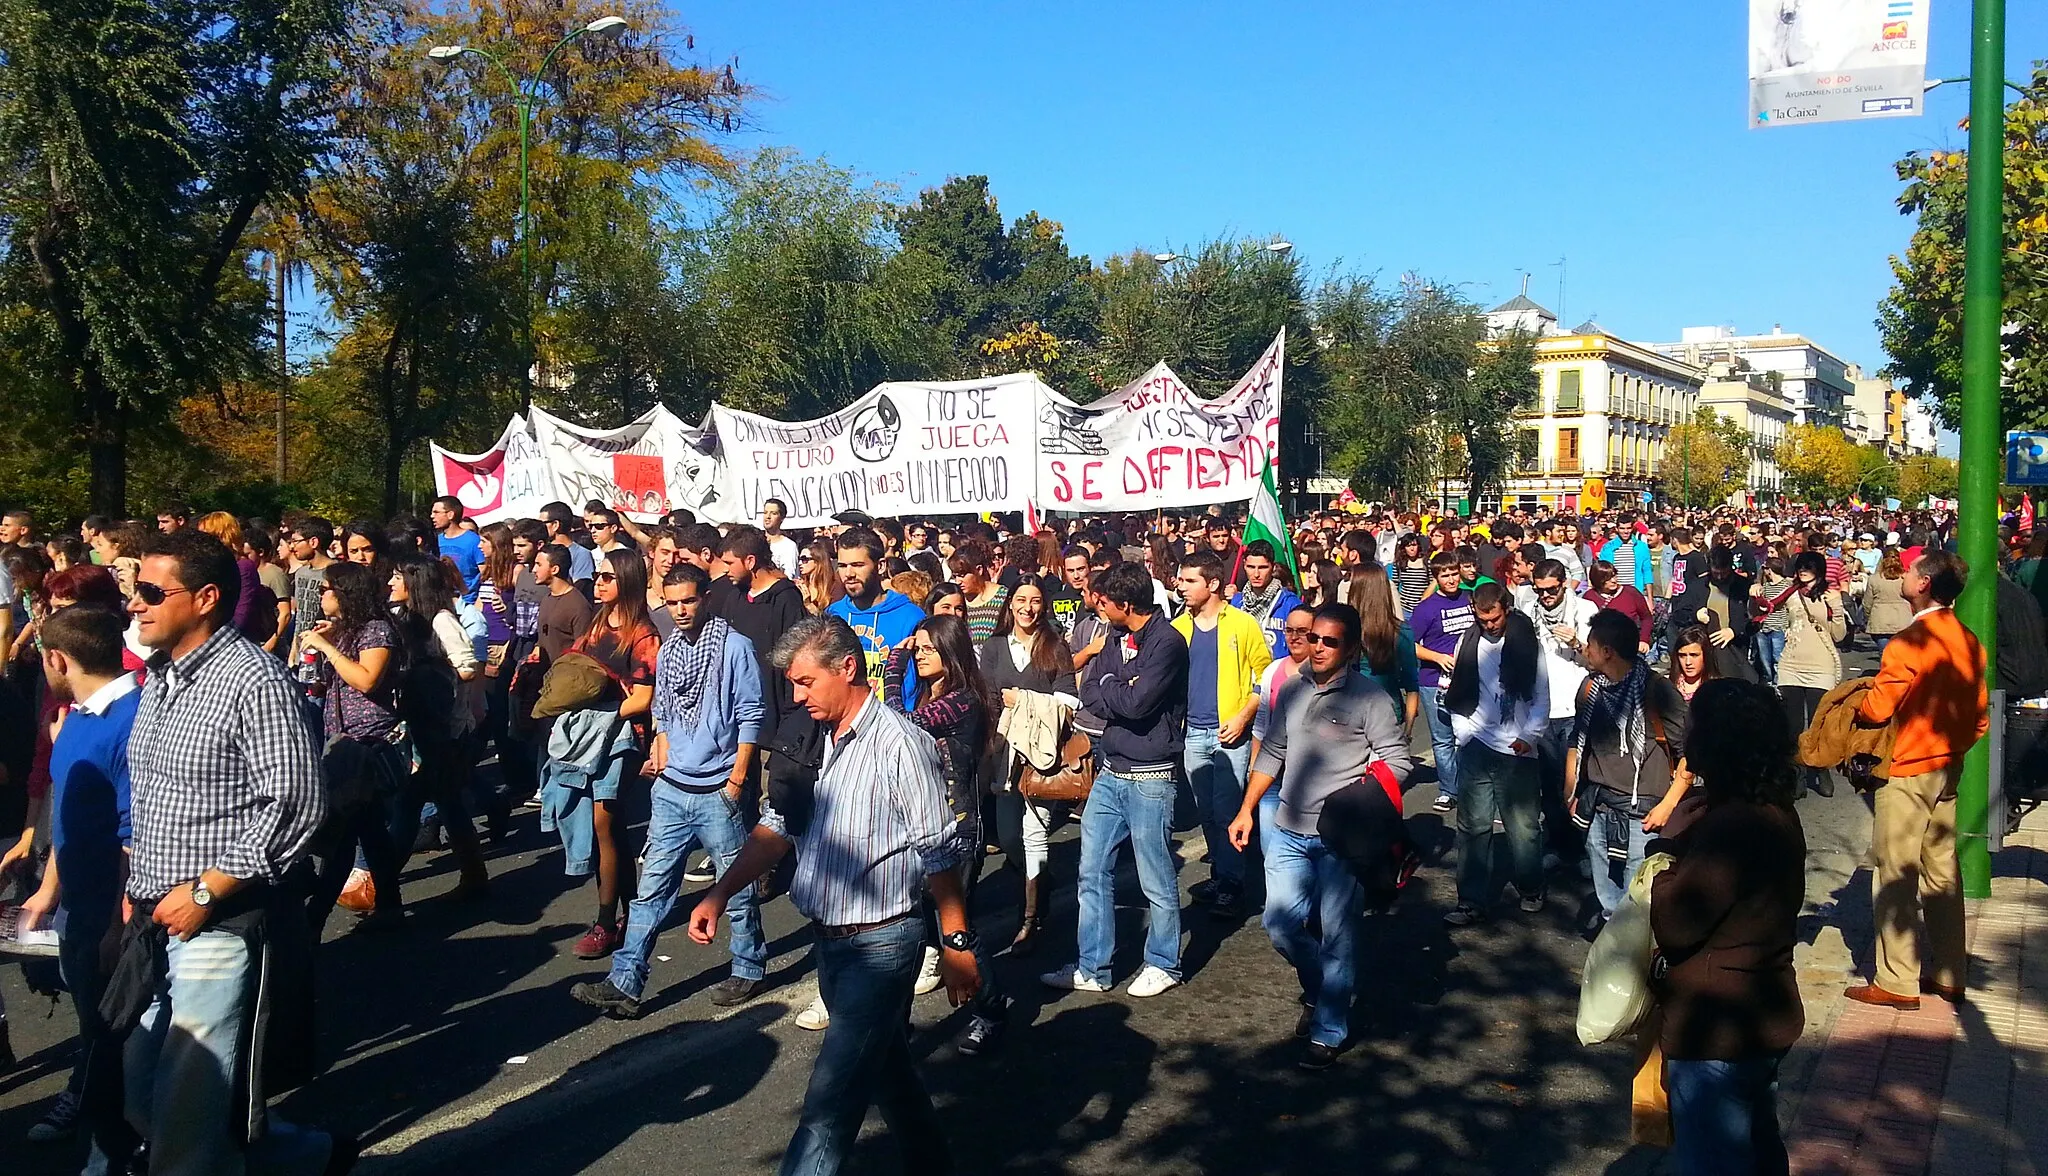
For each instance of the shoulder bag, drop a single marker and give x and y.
(1070, 781)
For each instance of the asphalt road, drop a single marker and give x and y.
(454, 1042)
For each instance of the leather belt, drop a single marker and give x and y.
(849, 930)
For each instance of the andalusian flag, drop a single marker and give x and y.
(1264, 522)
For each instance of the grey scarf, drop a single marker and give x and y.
(1621, 704)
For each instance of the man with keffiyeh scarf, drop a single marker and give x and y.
(707, 711)
(1627, 746)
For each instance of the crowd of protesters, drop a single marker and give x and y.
(218, 731)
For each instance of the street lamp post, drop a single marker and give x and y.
(526, 95)
(1981, 464)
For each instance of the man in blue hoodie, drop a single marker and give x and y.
(707, 715)
(880, 617)
(1137, 682)
(1264, 596)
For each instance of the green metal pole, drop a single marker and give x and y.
(525, 260)
(1982, 461)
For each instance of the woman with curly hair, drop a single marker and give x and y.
(1725, 918)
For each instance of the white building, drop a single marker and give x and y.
(1814, 380)
(1594, 431)
(1918, 428)
(1759, 408)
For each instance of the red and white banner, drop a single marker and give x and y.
(510, 480)
(1155, 443)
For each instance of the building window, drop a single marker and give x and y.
(1568, 451)
(1568, 391)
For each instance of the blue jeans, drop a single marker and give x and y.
(866, 981)
(1304, 877)
(1878, 639)
(1444, 743)
(1605, 888)
(1510, 788)
(1724, 1117)
(180, 1066)
(1770, 646)
(1217, 775)
(682, 821)
(1142, 811)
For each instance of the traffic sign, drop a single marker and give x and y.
(2026, 459)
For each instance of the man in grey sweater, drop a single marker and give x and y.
(1331, 727)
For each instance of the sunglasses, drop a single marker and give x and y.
(155, 594)
(1325, 640)
(1553, 590)
(606, 577)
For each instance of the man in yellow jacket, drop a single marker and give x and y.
(1227, 652)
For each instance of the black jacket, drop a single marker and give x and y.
(763, 619)
(1142, 699)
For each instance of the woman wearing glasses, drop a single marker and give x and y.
(952, 707)
(623, 640)
(816, 578)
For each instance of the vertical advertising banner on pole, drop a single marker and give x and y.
(1835, 60)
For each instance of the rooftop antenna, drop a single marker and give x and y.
(1562, 317)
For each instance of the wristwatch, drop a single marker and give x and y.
(201, 896)
(959, 940)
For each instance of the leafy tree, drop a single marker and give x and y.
(618, 127)
(1819, 463)
(1925, 476)
(1921, 318)
(139, 141)
(1006, 296)
(1705, 461)
(796, 297)
(1504, 378)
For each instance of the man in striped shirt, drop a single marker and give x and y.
(880, 836)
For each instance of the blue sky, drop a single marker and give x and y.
(1461, 139)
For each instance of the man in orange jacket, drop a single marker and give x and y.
(1931, 686)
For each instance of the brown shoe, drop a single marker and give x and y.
(1951, 995)
(1871, 994)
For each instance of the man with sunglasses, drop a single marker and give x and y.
(226, 795)
(1563, 621)
(604, 530)
(1332, 727)
(707, 713)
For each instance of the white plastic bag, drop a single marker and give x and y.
(1615, 991)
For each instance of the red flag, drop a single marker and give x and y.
(2026, 513)
(1032, 523)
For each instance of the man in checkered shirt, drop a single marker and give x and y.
(226, 794)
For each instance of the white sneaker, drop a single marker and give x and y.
(814, 1017)
(1150, 981)
(928, 978)
(1073, 979)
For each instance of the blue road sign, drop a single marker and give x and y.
(2026, 459)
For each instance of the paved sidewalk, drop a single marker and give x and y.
(1947, 1089)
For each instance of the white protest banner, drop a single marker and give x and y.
(643, 469)
(510, 480)
(909, 449)
(1830, 60)
(1155, 444)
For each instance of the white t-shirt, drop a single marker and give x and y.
(782, 550)
(1560, 666)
